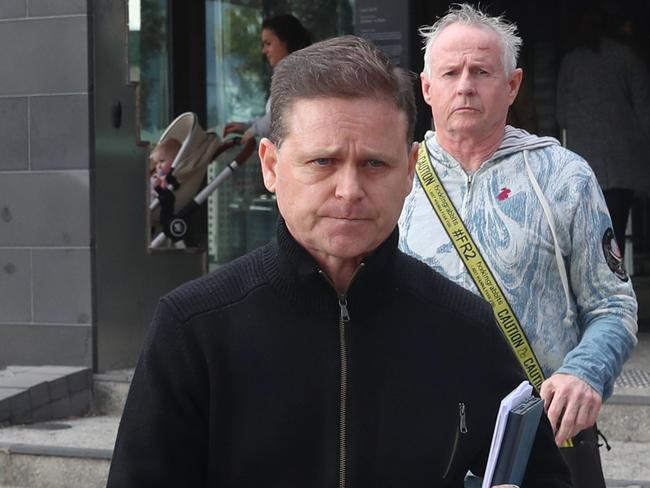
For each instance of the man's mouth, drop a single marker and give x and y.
(347, 218)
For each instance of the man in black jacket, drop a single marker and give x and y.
(326, 358)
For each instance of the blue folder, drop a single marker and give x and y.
(517, 443)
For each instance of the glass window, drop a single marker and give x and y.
(149, 64)
(242, 214)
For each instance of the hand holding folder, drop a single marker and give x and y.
(514, 434)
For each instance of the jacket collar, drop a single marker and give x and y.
(295, 273)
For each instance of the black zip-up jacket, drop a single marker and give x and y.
(260, 375)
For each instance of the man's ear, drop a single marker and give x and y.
(268, 160)
(514, 83)
(425, 84)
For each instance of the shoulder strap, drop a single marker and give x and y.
(477, 267)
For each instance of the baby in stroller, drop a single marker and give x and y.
(175, 192)
(161, 159)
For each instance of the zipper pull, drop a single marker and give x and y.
(463, 423)
(343, 303)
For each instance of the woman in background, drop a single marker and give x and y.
(281, 35)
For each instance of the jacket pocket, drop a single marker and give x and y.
(461, 429)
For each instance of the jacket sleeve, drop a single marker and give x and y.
(162, 438)
(606, 304)
(261, 126)
(546, 468)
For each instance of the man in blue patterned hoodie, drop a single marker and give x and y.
(535, 212)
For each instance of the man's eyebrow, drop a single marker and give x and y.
(446, 67)
(308, 153)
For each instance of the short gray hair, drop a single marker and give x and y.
(468, 15)
(341, 67)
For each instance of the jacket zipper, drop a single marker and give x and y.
(462, 429)
(344, 317)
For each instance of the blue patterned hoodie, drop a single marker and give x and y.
(588, 332)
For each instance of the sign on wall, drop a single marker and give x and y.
(386, 24)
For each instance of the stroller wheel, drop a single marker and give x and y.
(177, 228)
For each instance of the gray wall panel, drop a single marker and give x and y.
(48, 344)
(13, 134)
(45, 210)
(49, 209)
(128, 280)
(59, 132)
(57, 7)
(44, 56)
(61, 286)
(10, 9)
(15, 285)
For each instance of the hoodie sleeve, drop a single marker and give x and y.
(606, 304)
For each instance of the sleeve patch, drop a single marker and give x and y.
(613, 255)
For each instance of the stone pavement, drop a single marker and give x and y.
(37, 393)
(625, 421)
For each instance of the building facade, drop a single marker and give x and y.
(86, 86)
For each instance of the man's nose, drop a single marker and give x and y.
(349, 185)
(465, 83)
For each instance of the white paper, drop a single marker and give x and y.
(514, 398)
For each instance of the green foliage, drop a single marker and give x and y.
(152, 60)
(323, 18)
(242, 49)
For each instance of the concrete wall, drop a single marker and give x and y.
(46, 309)
(78, 284)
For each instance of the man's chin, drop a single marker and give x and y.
(351, 246)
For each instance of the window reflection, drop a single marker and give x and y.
(242, 214)
(148, 46)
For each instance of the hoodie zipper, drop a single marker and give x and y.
(344, 318)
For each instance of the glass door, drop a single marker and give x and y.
(241, 213)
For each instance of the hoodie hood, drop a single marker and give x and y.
(515, 140)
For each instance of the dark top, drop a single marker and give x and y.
(603, 102)
(249, 377)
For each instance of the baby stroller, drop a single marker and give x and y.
(175, 203)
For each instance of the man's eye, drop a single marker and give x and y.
(375, 163)
(448, 74)
(322, 161)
